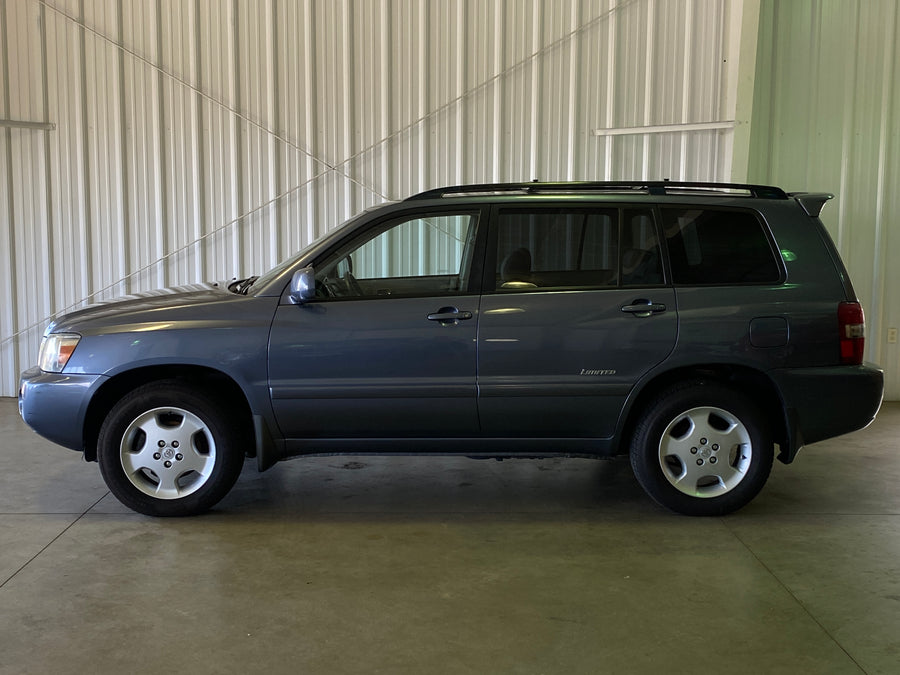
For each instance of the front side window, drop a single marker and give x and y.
(563, 249)
(422, 255)
(709, 246)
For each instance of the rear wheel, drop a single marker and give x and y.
(702, 449)
(168, 450)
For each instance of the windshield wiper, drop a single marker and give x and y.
(240, 286)
(244, 286)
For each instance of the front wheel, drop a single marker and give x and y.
(168, 450)
(702, 449)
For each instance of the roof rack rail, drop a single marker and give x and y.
(645, 187)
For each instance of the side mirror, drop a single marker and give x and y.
(303, 285)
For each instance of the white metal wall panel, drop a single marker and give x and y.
(826, 118)
(27, 254)
(210, 139)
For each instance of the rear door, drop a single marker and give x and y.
(575, 310)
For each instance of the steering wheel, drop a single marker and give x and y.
(345, 286)
(353, 287)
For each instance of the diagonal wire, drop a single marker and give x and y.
(185, 83)
(149, 266)
(519, 65)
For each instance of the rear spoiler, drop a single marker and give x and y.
(812, 202)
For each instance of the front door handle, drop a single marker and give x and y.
(643, 308)
(449, 315)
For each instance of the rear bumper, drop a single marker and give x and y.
(54, 404)
(822, 403)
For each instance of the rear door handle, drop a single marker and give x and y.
(449, 315)
(642, 308)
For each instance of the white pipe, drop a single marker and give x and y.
(664, 128)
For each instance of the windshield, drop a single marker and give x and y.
(281, 268)
(272, 274)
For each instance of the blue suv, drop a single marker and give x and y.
(694, 326)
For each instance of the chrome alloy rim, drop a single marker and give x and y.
(167, 453)
(705, 452)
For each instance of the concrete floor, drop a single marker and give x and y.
(450, 565)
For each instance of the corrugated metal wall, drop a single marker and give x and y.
(201, 140)
(826, 118)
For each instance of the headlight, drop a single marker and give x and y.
(56, 349)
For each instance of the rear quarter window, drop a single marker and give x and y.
(713, 246)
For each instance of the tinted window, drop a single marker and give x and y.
(707, 246)
(568, 249)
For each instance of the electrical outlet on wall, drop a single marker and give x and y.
(892, 336)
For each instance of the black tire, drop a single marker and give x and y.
(167, 449)
(702, 449)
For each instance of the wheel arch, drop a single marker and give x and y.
(755, 384)
(211, 382)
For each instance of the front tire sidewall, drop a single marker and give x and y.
(227, 463)
(662, 411)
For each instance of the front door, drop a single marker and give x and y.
(387, 348)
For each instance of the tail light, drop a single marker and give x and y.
(852, 324)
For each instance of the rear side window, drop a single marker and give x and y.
(561, 249)
(708, 246)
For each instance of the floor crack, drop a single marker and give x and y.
(51, 542)
(787, 590)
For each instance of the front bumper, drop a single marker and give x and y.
(822, 403)
(55, 404)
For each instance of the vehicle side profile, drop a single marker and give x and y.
(693, 326)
